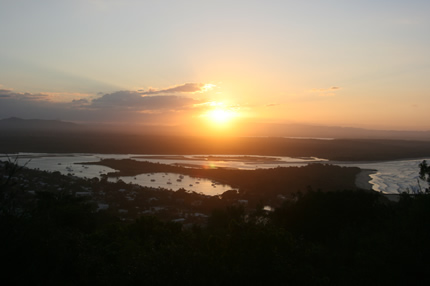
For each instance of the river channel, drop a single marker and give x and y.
(390, 177)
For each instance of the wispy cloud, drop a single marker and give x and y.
(331, 91)
(183, 88)
(5, 93)
(44, 96)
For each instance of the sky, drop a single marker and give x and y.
(337, 63)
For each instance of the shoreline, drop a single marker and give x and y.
(362, 179)
(356, 150)
(239, 157)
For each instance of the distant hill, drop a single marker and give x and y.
(333, 132)
(348, 144)
(19, 124)
(298, 131)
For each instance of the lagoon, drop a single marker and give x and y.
(390, 177)
(175, 182)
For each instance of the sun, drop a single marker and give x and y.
(220, 115)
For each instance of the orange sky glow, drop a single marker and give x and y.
(217, 67)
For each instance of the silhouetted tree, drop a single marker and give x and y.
(424, 174)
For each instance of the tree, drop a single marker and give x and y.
(9, 194)
(425, 173)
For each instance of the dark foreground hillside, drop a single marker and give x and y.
(330, 238)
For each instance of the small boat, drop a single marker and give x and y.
(152, 180)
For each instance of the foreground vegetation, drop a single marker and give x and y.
(319, 238)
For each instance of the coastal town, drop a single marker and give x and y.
(129, 201)
(293, 219)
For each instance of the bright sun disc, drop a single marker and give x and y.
(220, 116)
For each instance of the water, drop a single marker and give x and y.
(69, 164)
(391, 177)
(175, 181)
(63, 163)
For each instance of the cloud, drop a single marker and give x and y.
(2, 91)
(32, 96)
(184, 88)
(8, 93)
(163, 106)
(134, 101)
(5, 93)
(65, 96)
(80, 103)
(40, 105)
(326, 91)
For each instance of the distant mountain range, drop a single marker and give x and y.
(14, 124)
(334, 132)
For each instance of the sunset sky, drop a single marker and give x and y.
(344, 63)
